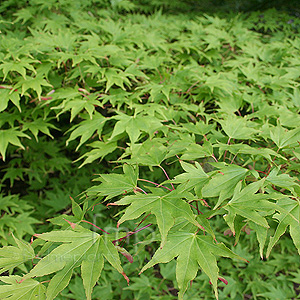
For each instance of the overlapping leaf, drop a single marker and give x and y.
(166, 208)
(80, 247)
(223, 183)
(116, 184)
(26, 290)
(12, 256)
(247, 203)
(10, 136)
(288, 218)
(193, 252)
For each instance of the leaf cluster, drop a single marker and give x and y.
(192, 127)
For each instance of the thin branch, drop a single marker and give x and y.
(167, 176)
(94, 225)
(158, 185)
(131, 233)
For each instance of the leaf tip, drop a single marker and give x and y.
(125, 276)
(223, 280)
(73, 225)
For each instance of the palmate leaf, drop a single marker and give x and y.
(19, 66)
(236, 128)
(116, 184)
(282, 180)
(101, 149)
(85, 129)
(149, 153)
(80, 247)
(223, 183)
(246, 149)
(77, 105)
(39, 125)
(134, 125)
(247, 203)
(10, 136)
(195, 151)
(34, 83)
(11, 256)
(283, 137)
(26, 290)
(193, 251)
(165, 207)
(290, 217)
(6, 95)
(194, 176)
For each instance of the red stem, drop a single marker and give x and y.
(226, 150)
(94, 226)
(198, 211)
(167, 176)
(131, 233)
(155, 184)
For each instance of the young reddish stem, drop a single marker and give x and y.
(191, 87)
(140, 223)
(233, 159)
(198, 211)
(261, 172)
(138, 188)
(271, 164)
(155, 184)
(226, 150)
(213, 156)
(94, 225)
(205, 203)
(167, 176)
(131, 233)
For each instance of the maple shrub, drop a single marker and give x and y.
(188, 125)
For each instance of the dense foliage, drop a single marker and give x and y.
(188, 125)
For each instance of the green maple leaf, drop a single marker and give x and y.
(283, 137)
(195, 151)
(287, 218)
(282, 180)
(10, 136)
(19, 66)
(77, 105)
(134, 125)
(34, 83)
(198, 128)
(85, 129)
(247, 203)
(193, 251)
(80, 247)
(6, 95)
(116, 184)
(117, 77)
(194, 177)
(26, 290)
(149, 153)
(236, 128)
(39, 125)
(246, 149)
(165, 207)
(100, 150)
(222, 184)
(12, 256)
